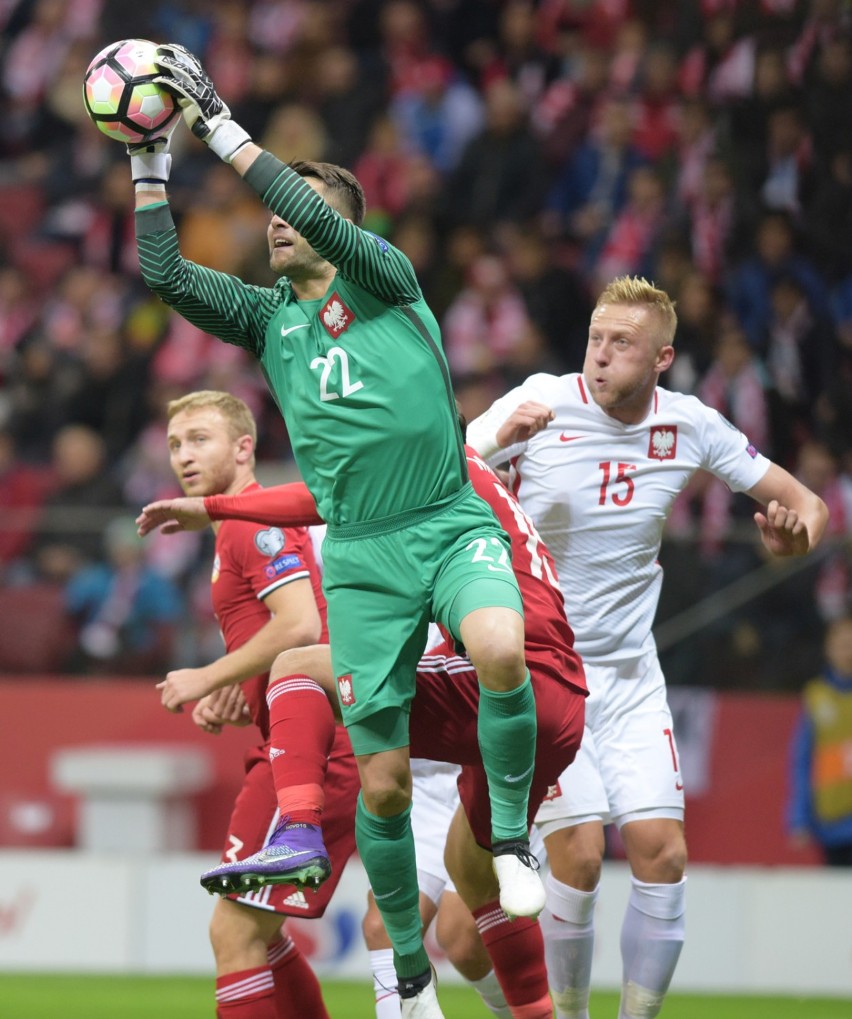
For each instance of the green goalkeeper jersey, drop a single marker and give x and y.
(360, 374)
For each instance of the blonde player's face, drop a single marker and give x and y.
(202, 452)
(624, 358)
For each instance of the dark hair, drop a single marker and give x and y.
(342, 189)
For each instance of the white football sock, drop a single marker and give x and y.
(651, 939)
(384, 983)
(568, 926)
(488, 988)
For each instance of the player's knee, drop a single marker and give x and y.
(499, 663)
(288, 663)
(575, 861)
(671, 861)
(386, 794)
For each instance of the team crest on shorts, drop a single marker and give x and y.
(335, 316)
(344, 686)
(663, 442)
(553, 792)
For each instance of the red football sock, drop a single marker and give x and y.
(516, 948)
(297, 990)
(301, 737)
(247, 994)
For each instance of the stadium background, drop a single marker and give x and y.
(521, 154)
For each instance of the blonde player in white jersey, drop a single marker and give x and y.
(597, 460)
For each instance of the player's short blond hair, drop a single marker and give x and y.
(637, 290)
(240, 419)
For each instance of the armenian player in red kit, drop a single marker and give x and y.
(446, 679)
(267, 596)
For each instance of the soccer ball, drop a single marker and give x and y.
(120, 95)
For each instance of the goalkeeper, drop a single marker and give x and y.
(353, 357)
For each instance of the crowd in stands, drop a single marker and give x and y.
(522, 154)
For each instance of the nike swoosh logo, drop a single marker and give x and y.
(292, 329)
(570, 438)
(387, 895)
(521, 777)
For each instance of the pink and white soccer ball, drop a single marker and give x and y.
(120, 95)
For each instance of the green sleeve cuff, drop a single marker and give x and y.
(154, 219)
(263, 172)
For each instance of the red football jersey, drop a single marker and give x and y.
(548, 639)
(251, 561)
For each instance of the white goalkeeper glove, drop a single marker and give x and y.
(150, 161)
(208, 117)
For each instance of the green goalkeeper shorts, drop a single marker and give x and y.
(384, 581)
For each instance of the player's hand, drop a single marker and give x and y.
(182, 685)
(206, 717)
(220, 708)
(527, 419)
(172, 515)
(208, 117)
(781, 530)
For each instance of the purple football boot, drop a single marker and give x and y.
(295, 855)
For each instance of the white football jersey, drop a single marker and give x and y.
(599, 492)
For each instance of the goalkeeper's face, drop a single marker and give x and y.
(289, 252)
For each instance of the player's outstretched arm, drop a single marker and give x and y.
(187, 513)
(794, 519)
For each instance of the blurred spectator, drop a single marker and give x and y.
(656, 107)
(294, 131)
(629, 245)
(438, 114)
(828, 215)
(126, 613)
(819, 810)
(698, 310)
(828, 98)
(720, 66)
(800, 353)
(519, 54)
(347, 99)
(39, 382)
(111, 396)
(556, 296)
(715, 221)
(499, 176)
(563, 114)
(23, 489)
(227, 225)
(785, 174)
(748, 286)
(487, 329)
(85, 498)
(591, 188)
(735, 386)
(747, 118)
(819, 468)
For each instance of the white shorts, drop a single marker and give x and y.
(627, 767)
(434, 803)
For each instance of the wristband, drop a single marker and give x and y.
(150, 166)
(227, 139)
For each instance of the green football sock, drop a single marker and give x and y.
(507, 731)
(386, 847)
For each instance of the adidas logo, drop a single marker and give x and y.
(275, 752)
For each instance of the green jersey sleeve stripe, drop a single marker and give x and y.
(368, 261)
(215, 302)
